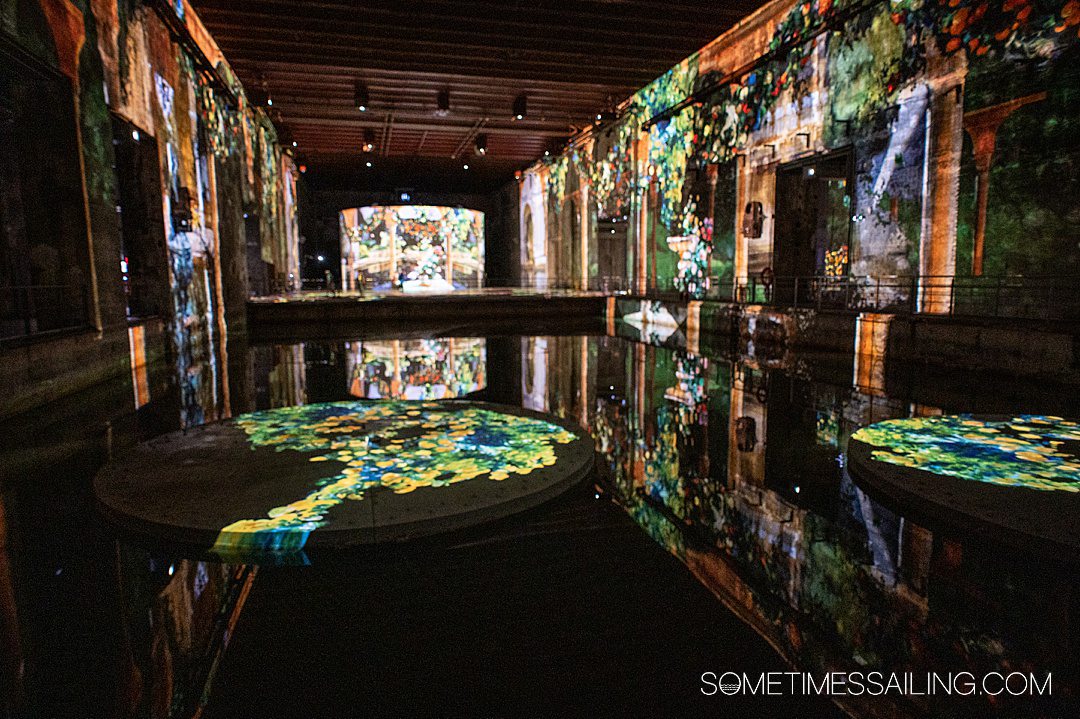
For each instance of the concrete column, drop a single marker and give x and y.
(941, 187)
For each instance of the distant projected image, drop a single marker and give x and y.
(414, 248)
(419, 369)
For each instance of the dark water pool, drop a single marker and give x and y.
(721, 532)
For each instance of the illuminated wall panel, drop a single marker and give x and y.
(415, 248)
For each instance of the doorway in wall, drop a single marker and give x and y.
(611, 251)
(144, 254)
(813, 224)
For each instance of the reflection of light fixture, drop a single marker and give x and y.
(521, 106)
(442, 103)
(481, 144)
(361, 97)
(369, 139)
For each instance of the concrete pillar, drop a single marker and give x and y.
(941, 187)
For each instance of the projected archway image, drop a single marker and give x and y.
(415, 248)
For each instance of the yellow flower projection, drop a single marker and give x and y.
(1035, 451)
(392, 445)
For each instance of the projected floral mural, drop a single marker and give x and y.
(814, 79)
(414, 248)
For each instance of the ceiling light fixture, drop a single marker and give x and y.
(369, 139)
(481, 144)
(361, 97)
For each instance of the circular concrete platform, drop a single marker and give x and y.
(341, 474)
(1012, 479)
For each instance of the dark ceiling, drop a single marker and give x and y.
(571, 59)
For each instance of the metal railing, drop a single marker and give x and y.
(27, 310)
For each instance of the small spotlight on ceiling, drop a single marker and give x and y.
(135, 135)
(321, 258)
(303, 169)
(294, 143)
(547, 153)
(481, 144)
(367, 164)
(361, 97)
(442, 103)
(465, 166)
(521, 106)
(369, 139)
(269, 101)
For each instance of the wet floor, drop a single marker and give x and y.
(721, 532)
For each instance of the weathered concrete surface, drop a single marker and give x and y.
(1017, 347)
(324, 316)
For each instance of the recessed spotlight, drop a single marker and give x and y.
(367, 164)
(481, 144)
(465, 166)
(361, 97)
(135, 135)
(294, 143)
(369, 139)
(320, 258)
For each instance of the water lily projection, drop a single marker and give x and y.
(1032, 451)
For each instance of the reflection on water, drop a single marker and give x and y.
(732, 461)
(433, 368)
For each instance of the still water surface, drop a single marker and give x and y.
(731, 463)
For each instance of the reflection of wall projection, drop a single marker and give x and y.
(426, 247)
(534, 357)
(417, 369)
